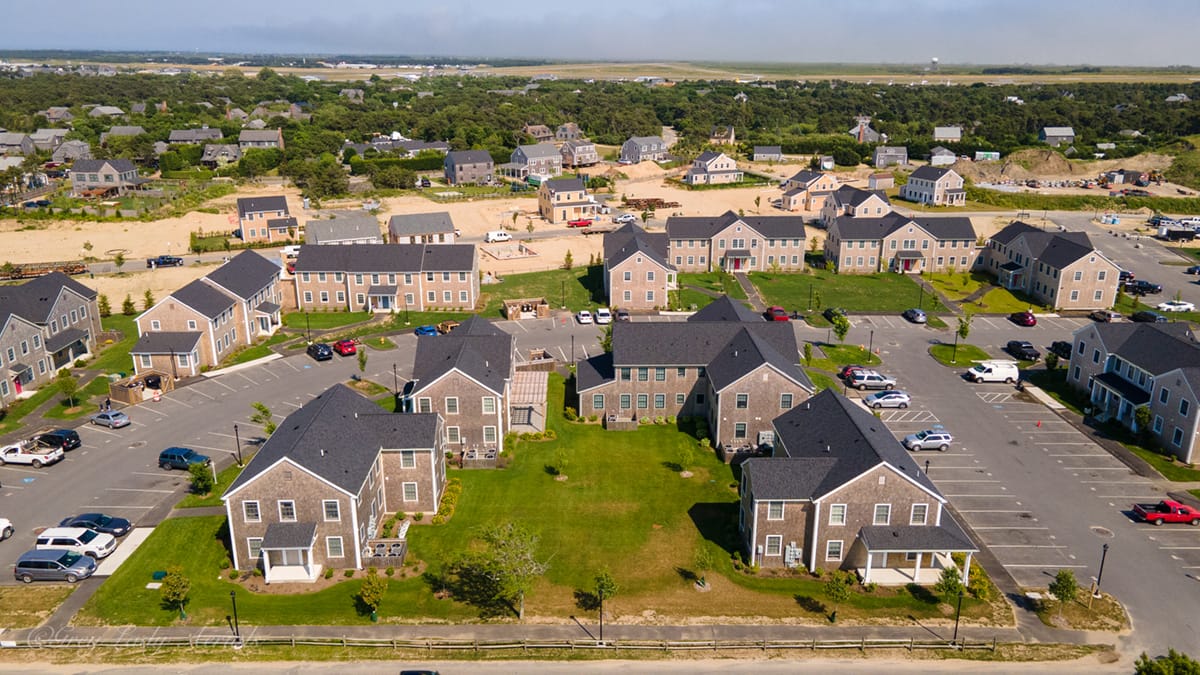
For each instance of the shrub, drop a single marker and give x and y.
(418, 517)
(570, 414)
(80, 363)
(390, 571)
(659, 420)
(549, 434)
(348, 573)
(233, 574)
(257, 572)
(225, 564)
(328, 572)
(594, 418)
(949, 584)
(438, 520)
(670, 419)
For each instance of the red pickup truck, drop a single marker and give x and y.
(1167, 511)
(582, 222)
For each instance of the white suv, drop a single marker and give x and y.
(930, 439)
(77, 539)
(603, 315)
(869, 379)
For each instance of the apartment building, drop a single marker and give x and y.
(387, 277)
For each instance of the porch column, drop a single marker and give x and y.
(966, 570)
(867, 574)
(306, 560)
(266, 561)
(917, 570)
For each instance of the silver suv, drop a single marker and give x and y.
(869, 379)
(930, 439)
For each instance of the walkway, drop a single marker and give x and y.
(752, 294)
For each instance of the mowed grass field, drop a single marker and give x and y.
(891, 293)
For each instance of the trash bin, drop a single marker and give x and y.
(153, 382)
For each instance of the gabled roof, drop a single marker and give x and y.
(245, 274)
(259, 135)
(745, 352)
(337, 436)
(708, 156)
(214, 151)
(194, 135)
(704, 227)
(420, 223)
(343, 225)
(831, 426)
(1157, 348)
(203, 298)
(848, 195)
(931, 173)
(126, 130)
(768, 150)
(1057, 249)
(939, 151)
(168, 342)
(96, 165)
(387, 258)
(475, 348)
(34, 299)
(806, 177)
(593, 372)
(950, 227)
(726, 308)
(564, 185)
(1058, 131)
(631, 239)
(538, 151)
(646, 140)
(695, 343)
(953, 227)
(469, 157)
(247, 205)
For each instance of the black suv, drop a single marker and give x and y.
(1022, 350)
(1146, 316)
(1142, 287)
(831, 312)
(180, 458)
(66, 439)
(320, 351)
(1062, 348)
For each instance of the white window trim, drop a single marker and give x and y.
(776, 539)
(875, 515)
(329, 550)
(912, 515)
(841, 549)
(325, 514)
(404, 491)
(279, 507)
(831, 509)
(782, 509)
(250, 546)
(246, 517)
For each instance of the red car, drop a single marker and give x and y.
(345, 347)
(777, 314)
(579, 223)
(1023, 318)
(848, 371)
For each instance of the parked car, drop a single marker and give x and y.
(623, 315)
(930, 439)
(117, 527)
(1105, 316)
(603, 315)
(1023, 350)
(582, 222)
(30, 453)
(113, 419)
(320, 351)
(625, 218)
(831, 312)
(1146, 316)
(447, 326)
(426, 330)
(584, 316)
(67, 439)
(1142, 287)
(53, 565)
(164, 261)
(180, 458)
(1194, 269)
(847, 371)
(6, 528)
(776, 313)
(345, 347)
(1176, 306)
(915, 315)
(887, 399)
(78, 539)
(994, 371)
(869, 379)
(1062, 348)
(1167, 511)
(1023, 318)
(1125, 276)
(497, 235)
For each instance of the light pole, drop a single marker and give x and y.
(395, 381)
(564, 294)
(237, 629)
(237, 439)
(954, 352)
(926, 467)
(602, 618)
(871, 346)
(572, 348)
(1100, 574)
(921, 296)
(307, 327)
(957, 616)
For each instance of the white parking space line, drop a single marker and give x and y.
(982, 496)
(175, 400)
(116, 489)
(1026, 546)
(1133, 497)
(17, 469)
(965, 480)
(196, 390)
(1009, 527)
(243, 376)
(993, 510)
(285, 362)
(1076, 454)
(112, 507)
(1046, 566)
(1179, 548)
(102, 430)
(222, 384)
(222, 435)
(1066, 442)
(146, 473)
(985, 321)
(291, 404)
(993, 397)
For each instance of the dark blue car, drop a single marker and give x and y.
(426, 330)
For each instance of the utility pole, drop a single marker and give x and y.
(237, 439)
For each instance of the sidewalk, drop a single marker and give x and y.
(752, 294)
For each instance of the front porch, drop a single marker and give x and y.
(908, 261)
(736, 260)
(1011, 276)
(67, 346)
(267, 318)
(891, 555)
(381, 298)
(924, 569)
(287, 553)
(1114, 397)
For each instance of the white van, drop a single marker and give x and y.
(77, 539)
(292, 251)
(497, 235)
(995, 371)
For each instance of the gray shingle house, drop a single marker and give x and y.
(1056, 136)
(421, 228)
(468, 167)
(103, 176)
(344, 227)
(642, 149)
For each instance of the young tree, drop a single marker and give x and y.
(808, 354)
(568, 260)
(1175, 663)
(963, 330)
(202, 478)
(837, 589)
(757, 202)
(127, 306)
(262, 415)
(949, 585)
(119, 261)
(68, 385)
(606, 588)
(371, 593)
(606, 341)
(685, 457)
(841, 326)
(703, 562)
(1065, 588)
(104, 306)
(362, 359)
(1051, 361)
(147, 299)
(511, 549)
(175, 590)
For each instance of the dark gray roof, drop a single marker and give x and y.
(631, 239)
(564, 184)
(1129, 391)
(1057, 249)
(259, 136)
(289, 535)
(953, 227)
(831, 426)
(593, 372)
(214, 151)
(387, 258)
(538, 151)
(337, 436)
(1156, 348)
(930, 172)
(245, 274)
(468, 157)
(768, 150)
(1012, 231)
(420, 223)
(64, 338)
(476, 348)
(203, 298)
(694, 343)
(343, 225)
(95, 165)
(267, 307)
(726, 308)
(848, 195)
(746, 352)
(166, 343)
(34, 299)
(708, 156)
(917, 538)
(787, 478)
(772, 227)
(805, 176)
(261, 204)
(194, 135)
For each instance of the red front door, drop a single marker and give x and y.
(737, 263)
(17, 384)
(907, 265)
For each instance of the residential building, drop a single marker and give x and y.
(725, 363)
(768, 153)
(947, 134)
(542, 160)
(98, 177)
(863, 133)
(940, 156)
(1059, 269)
(317, 493)
(826, 162)
(173, 353)
(12, 143)
(637, 274)
(260, 138)
(197, 307)
(254, 284)
(217, 155)
(897, 243)
(57, 114)
(712, 168)
(808, 190)
(642, 149)
(568, 131)
(855, 203)
(106, 111)
(121, 130)
(354, 95)
(469, 167)
(1056, 136)
(562, 200)
(45, 325)
(266, 219)
(71, 151)
(422, 228)
(194, 136)
(840, 492)
(466, 377)
(579, 153)
(936, 186)
(881, 181)
(387, 277)
(1126, 366)
(722, 135)
(343, 227)
(540, 133)
(736, 243)
(48, 140)
(890, 155)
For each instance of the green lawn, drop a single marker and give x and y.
(624, 506)
(1054, 382)
(1171, 470)
(114, 357)
(956, 287)
(10, 418)
(998, 300)
(717, 282)
(821, 379)
(94, 391)
(224, 478)
(324, 320)
(582, 287)
(1003, 301)
(887, 293)
(965, 357)
(259, 350)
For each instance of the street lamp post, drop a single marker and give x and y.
(921, 296)
(564, 294)
(395, 381)
(307, 327)
(957, 616)
(810, 292)
(871, 346)
(601, 618)
(237, 439)
(954, 352)
(572, 348)
(1100, 574)
(237, 629)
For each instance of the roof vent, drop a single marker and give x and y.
(355, 415)
(827, 449)
(322, 452)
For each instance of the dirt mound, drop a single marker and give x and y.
(1047, 164)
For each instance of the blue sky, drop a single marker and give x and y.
(1100, 32)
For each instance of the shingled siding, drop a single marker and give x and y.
(793, 528)
(470, 418)
(340, 290)
(173, 316)
(428, 472)
(640, 291)
(764, 388)
(690, 385)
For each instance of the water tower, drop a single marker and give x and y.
(933, 64)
